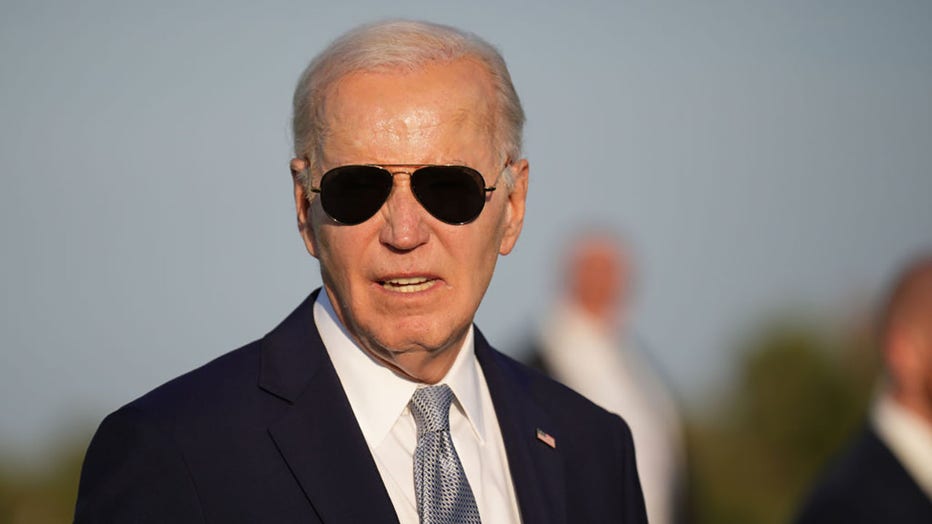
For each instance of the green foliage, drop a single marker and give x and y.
(29, 496)
(799, 394)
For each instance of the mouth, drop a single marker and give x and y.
(408, 284)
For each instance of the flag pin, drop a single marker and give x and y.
(546, 438)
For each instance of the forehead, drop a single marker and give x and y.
(405, 113)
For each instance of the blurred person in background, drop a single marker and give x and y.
(586, 344)
(885, 474)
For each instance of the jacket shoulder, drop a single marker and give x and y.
(221, 382)
(866, 483)
(145, 459)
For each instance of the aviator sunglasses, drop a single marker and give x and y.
(352, 194)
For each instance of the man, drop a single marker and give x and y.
(886, 473)
(377, 400)
(584, 344)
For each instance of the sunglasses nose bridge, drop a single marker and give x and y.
(401, 183)
(404, 226)
(401, 195)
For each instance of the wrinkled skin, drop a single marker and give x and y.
(406, 285)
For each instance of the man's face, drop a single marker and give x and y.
(598, 278)
(405, 284)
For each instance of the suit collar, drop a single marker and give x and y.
(318, 435)
(536, 468)
(287, 366)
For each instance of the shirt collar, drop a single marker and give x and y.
(463, 379)
(377, 395)
(908, 436)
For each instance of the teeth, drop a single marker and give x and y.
(406, 281)
(408, 285)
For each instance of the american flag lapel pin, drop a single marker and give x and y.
(546, 438)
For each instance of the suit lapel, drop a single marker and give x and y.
(318, 436)
(536, 467)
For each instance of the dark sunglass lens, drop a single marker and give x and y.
(453, 194)
(352, 194)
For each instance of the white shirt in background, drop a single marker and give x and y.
(592, 361)
(908, 436)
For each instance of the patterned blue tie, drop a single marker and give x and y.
(443, 494)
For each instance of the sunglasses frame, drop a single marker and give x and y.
(411, 170)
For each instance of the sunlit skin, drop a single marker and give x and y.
(437, 115)
(908, 342)
(598, 278)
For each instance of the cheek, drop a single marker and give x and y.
(337, 251)
(496, 234)
(927, 379)
(316, 230)
(480, 262)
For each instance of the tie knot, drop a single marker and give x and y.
(431, 408)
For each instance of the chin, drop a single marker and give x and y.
(419, 337)
(399, 347)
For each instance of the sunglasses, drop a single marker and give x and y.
(353, 194)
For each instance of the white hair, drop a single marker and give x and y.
(400, 45)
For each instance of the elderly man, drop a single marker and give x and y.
(886, 473)
(377, 400)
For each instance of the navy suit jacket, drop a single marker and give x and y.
(265, 433)
(867, 484)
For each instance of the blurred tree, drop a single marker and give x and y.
(800, 391)
(42, 495)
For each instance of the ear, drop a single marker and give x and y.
(303, 205)
(514, 208)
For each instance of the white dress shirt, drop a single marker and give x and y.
(908, 436)
(379, 398)
(582, 354)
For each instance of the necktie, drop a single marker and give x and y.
(440, 485)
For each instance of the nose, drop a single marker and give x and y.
(404, 228)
